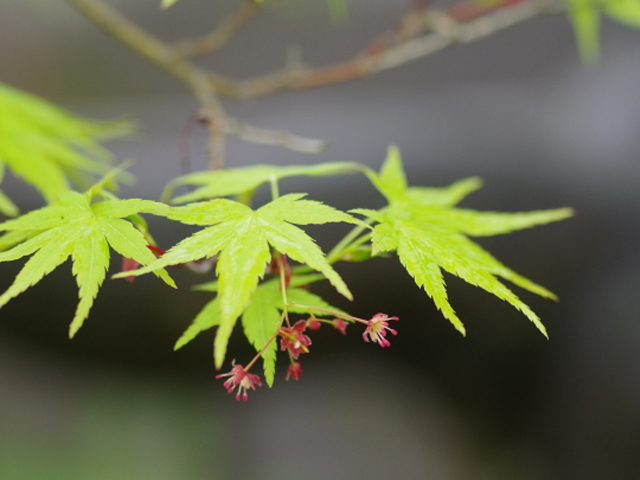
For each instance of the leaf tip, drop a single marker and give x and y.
(73, 329)
(217, 360)
(567, 212)
(542, 328)
(166, 4)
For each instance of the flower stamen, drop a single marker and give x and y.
(240, 378)
(377, 329)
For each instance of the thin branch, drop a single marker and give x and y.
(420, 32)
(212, 114)
(264, 136)
(218, 38)
(463, 23)
(156, 52)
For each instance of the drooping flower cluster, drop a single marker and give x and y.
(377, 329)
(314, 324)
(294, 341)
(340, 325)
(240, 378)
(294, 371)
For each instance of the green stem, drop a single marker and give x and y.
(283, 289)
(262, 350)
(356, 243)
(155, 51)
(349, 241)
(275, 192)
(336, 314)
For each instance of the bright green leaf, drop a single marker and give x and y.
(222, 183)
(14, 237)
(384, 238)
(72, 226)
(300, 296)
(126, 208)
(391, 180)
(240, 266)
(296, 244)
(47, 147)
(241, 236)
(7, 207)
(339, 10)
(261, 321)
(626, 12)
(262, 316)
(392, 183)
(445, 197)
(480, 224)
(90, 263)
(167, 3)
(208, 317)
(209, 213)
(429, 235)
(291, 208)
(585, 19)
(51, 253)
(414, 256)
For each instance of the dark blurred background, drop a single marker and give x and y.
(517, 109)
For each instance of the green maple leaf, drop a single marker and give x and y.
(48, 147)
(77, 227)
(242, 236)
(6, 205)
(585, 19)
(262, 317)
(237, 181)
(430, 235)
(339, 11)
(167, 3)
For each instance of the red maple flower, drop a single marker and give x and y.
(239, 377)
(292, 339)
(294, 371)
(340, 325)
(377, 328)
(314, 324)
(129, 264)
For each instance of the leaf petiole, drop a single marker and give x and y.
(334, 313)
(264, 349)
(283, 290)
(349, 241)
(275, 192)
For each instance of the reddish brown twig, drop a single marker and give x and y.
(419, 34)
(219, 37)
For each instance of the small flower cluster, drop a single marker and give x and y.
(377, 329)
(294, 341)
(240, 378)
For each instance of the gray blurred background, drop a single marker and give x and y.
(517, 109)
